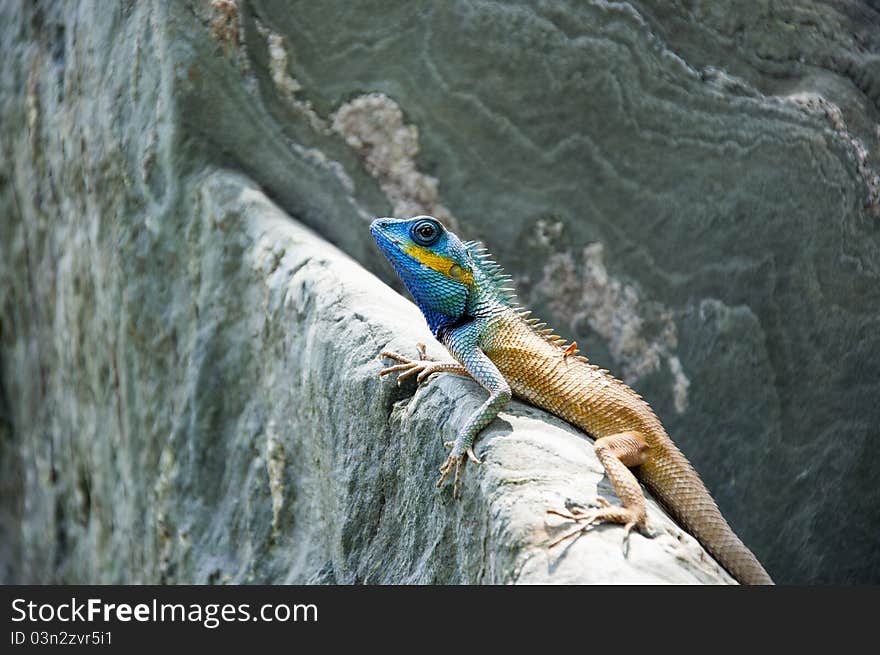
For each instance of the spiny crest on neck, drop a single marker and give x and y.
(500, 281)
(505, 293)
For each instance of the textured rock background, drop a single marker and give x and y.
(242, 434)
(688, 189)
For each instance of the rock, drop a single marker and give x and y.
(249, 439)
(689, 190)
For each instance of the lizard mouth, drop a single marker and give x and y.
(384, 241)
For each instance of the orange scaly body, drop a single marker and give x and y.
(539, 371)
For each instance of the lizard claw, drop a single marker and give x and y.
(588, 523)
(407, 367)
(606, 513)
(425, 372)
(456, 464)
(626, 531)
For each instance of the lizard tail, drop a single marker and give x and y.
(673, 480)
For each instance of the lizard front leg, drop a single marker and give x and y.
(617, 453)
(462, 343)
(421, 367)
(472, 362)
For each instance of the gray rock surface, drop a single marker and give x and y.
(248, 437)
(688, 189)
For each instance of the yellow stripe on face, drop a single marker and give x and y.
(440, 263)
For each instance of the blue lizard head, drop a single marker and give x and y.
(433, 263)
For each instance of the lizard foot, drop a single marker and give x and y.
(606, 513)
(455, 463)
(421, 368)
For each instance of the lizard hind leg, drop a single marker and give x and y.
(617, 453)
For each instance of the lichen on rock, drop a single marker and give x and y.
(585, 292)
(373, 126)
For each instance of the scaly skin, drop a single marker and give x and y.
(461, 294)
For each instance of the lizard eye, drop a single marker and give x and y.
(426, 232)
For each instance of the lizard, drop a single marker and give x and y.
(470, 307)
